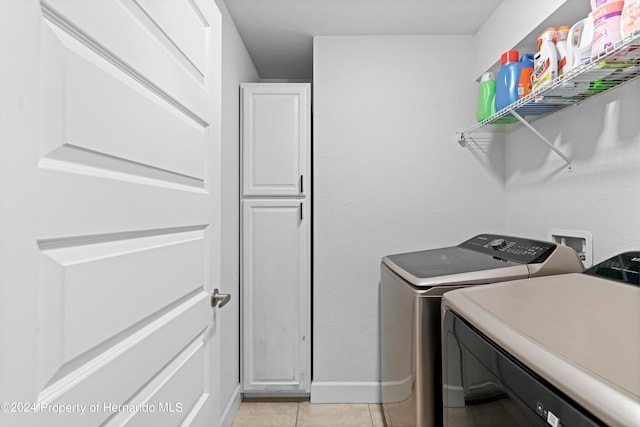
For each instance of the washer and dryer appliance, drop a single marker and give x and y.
(411, 289)
(551, 351)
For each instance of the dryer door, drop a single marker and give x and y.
(485, 386)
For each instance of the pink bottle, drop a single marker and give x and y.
(606, 24)
(630, 20)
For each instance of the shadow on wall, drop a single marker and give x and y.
(609, 121)
(487, 146)
(629, 111)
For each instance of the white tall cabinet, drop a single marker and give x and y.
(276, 241)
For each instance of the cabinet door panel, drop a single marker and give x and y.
(275, 296)
(275, 138)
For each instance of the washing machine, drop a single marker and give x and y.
(411, 289)
(552, 351)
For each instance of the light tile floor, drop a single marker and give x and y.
(306, 414)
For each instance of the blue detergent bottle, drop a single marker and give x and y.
(507, 80)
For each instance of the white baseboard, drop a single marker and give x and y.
(345, 392)
(232, 408)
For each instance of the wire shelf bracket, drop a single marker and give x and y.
(526, 124)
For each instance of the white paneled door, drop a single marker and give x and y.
(109, 212)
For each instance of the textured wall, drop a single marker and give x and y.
(388, 178)
(236, 68)
(600, 195)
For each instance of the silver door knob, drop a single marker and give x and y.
(218, 299)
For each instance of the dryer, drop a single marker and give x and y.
(550, 351)
(411, 288)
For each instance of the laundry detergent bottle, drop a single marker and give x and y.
(507, 79)
(579, 41)
(564, 60)
(630, 20)
(486, 97)
(546, 59)
(607, 16)
(526, 70)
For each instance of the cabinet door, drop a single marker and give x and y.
(275, 139)
(275, 296)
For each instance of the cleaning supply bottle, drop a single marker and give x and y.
(507, 79)
(526, 70)
(564, 65)
(630, 20)
(606, 24)
(486, 97)
(545, 60)
(579, 41)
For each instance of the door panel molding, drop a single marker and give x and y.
(62, 26)
(79, 160)
(114, 285)
(61, 242)
(183, 373)
(162, 337)
(179, 40)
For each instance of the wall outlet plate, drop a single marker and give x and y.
(580, 241)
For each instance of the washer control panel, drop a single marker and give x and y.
(517, 249)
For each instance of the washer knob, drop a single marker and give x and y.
(498, 244)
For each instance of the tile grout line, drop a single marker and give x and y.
(297, 413)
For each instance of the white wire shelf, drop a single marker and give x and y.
(609, 69)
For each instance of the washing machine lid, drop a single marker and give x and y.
(451, 265)
(579, 332)
(446, 261)
(485, 258)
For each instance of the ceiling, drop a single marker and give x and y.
(279, 33)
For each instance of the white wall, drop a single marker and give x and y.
(237, 68)
(601, 195)
(388, 178)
